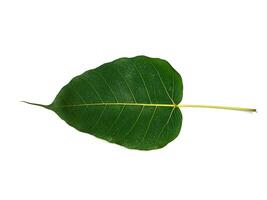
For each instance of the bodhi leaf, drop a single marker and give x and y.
(133, 102)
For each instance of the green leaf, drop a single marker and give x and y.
(133, 102)
(130, 101)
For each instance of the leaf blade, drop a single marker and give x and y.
(129, 101)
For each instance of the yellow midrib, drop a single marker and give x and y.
(122, 104)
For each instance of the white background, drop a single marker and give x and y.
(219, 48)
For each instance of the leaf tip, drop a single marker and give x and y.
(35, 104)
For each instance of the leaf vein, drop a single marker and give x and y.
(117, 118)
(126, 85)
(134, 124)
(98, 74)
(117, 104)
(148, 127)
(98, 120)
(143, 81)
(167, 122)
(173, 86)
(163, 84)
(93, 89)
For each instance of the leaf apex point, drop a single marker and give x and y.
(35, 104)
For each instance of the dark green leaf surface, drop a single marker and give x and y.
(130, 102)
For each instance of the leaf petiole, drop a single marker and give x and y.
(216, 107)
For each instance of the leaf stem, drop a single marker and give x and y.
(216, 107)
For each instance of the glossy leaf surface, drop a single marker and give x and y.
(130, 102)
